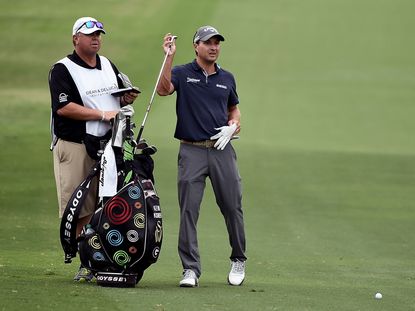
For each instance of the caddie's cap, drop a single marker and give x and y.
(204, 33)
(87, 25)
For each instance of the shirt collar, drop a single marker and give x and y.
(198, 68)
(77, 60)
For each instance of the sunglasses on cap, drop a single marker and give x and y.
(91, 24)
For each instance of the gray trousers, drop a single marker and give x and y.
(194, 165)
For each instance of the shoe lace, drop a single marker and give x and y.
(188, 274)
(238, 266)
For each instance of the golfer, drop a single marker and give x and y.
(207, 118)
(82, 106)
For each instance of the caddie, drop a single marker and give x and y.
(82, 107)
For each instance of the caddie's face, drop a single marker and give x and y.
(208, 50)
(88, 44)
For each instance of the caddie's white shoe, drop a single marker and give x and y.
(189, 279)
(237, 273)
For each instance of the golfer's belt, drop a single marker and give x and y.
(203, 143)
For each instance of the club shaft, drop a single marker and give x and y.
(154, 92)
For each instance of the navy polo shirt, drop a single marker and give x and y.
(202, 100)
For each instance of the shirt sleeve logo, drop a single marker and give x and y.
(63, 97)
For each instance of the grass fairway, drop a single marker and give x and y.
(327, 154)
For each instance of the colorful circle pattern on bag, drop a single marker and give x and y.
(94, 243)
(121, 258)
(118, 211)
(139, 220)
(134, 192)
(132, 236)
(98, 256)
(114, 237)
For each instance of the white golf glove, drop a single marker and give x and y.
(224, 136)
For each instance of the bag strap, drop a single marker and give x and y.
(71, 214)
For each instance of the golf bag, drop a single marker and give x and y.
(125, 233)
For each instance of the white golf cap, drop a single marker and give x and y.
(87, 25)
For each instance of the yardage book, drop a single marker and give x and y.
(121, 92)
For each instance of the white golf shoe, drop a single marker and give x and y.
(189, 279)
(237, 273)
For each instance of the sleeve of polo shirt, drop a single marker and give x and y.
(233, 95)
(175, 77)
(62, 87)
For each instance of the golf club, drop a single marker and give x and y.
(154, 91)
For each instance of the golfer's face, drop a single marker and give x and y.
(209, 50)
(89, 44)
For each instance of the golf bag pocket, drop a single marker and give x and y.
(95, 144)
(92, 252)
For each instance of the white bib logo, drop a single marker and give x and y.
(63, 97)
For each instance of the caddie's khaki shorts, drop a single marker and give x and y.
(71, 165)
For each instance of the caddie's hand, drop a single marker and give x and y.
(129, 98)
(169, 43)
(224, 136)
(106, 116)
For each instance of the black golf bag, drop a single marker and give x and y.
(125, 233)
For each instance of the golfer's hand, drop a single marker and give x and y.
(238, 125)
(169, 42)
(224, 136)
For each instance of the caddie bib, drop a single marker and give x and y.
(95, 87)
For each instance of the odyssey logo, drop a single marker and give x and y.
(111, 278)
